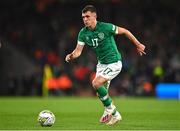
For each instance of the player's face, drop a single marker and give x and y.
(89, 18)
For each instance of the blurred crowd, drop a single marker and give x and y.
(46, 31)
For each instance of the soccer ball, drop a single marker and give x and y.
(46, 118)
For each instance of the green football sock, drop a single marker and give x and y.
(103, 96)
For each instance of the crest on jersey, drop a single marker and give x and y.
(101, 35)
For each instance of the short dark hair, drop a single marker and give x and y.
(90, 8)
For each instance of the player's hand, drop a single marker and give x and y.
(140, 49)
(68, 58)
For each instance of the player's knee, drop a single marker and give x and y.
(96, 84)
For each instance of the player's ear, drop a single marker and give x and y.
(95, 15)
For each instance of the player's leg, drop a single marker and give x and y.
(107, 84)
(98, 84)
(99, 69)
(108, 72)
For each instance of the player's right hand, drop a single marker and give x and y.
(67, 59)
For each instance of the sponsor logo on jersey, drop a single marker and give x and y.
(87, 38)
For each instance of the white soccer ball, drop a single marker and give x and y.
(46, 118)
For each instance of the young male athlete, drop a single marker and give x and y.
(99, 36)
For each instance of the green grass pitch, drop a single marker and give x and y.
(80, 113)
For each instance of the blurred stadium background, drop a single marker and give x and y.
(36, 35)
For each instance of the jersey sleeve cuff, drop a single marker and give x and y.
(116, 31)
(81, 43)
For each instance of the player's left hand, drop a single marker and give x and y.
(140, 49)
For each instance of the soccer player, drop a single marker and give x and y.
(99, 36)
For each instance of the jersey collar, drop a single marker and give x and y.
(94, 28)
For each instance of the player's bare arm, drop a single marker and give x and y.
(131, 37)
(76, 53)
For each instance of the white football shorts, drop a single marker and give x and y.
(108, 71)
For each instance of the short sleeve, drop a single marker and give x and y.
(111, 28)
(80, 38)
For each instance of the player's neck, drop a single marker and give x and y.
(93, 26)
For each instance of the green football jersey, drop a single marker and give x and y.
(101, 40)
